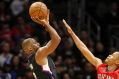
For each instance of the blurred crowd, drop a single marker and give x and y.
(16, 25)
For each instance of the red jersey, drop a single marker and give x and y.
(103, 74)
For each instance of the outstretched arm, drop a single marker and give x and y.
(54, 41)
(44, 51)
(82, 47)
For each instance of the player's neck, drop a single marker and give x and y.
(112, 68)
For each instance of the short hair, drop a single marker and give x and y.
(27, 42)
(117, 54)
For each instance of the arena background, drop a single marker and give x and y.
(96, 22)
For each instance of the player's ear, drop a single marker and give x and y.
(29, 48)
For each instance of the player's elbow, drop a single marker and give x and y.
(57, 39)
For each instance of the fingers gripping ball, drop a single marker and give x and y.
(38, 9)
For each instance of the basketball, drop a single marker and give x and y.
(38, 9)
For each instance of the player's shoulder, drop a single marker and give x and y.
(39, 57)
(41, 53)
(101, 68)
(102, 65)
(99, 62)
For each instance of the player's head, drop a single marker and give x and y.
(113, 59)
(29, 46)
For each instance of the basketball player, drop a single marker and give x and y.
(107, 70)
(42, 65)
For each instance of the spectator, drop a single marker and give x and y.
(29, 74)
(15, 64)
(89, 71)
(100, 51)
(66, 76)
(5, 56)
(112, 17)
(21, 30)
(17, 7)
(6, 34)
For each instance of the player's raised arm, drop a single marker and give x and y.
(82, 47)
(54, 42)
(44, 51)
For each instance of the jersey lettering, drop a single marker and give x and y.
(104, 76)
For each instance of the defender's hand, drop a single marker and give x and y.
(67, 26)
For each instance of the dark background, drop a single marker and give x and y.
(96, 22)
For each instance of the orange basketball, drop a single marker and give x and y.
(38, 9)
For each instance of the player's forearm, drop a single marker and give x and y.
(53, 34)
(84, 50)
